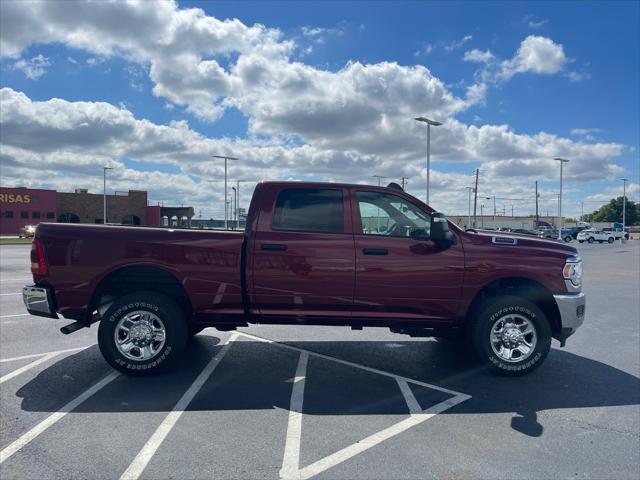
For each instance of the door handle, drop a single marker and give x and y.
(375, 251)
(274, 247)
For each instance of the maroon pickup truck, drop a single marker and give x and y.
(311, 254)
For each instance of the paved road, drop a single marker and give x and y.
(325, 402)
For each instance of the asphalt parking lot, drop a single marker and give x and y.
(324, 402)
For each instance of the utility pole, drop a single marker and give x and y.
(225, 186)
(238, 203)
(379, 177)
(562, 162)
(475, 198)
(469, 207)
(537, 216)
(429, 124)
(404, 181)
(234, 204)
(104, 194)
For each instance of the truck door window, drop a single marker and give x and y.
(389, 215)
(309, 210)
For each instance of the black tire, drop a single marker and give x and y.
(568, 239)
(175, 327)
(591, 240)
(490, 314)
(610, 240)
(581, 241)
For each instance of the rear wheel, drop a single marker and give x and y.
(610, 240)
(510, 336)
(142, 333)
(591, 240)
(567, 239)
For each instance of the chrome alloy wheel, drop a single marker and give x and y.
(140, 335)
(513, 338)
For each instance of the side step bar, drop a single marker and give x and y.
(75, 326)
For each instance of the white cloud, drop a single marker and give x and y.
(33, 68)
(536, 54)
(585, 131)
(578, 76)
(537, 24)
(478, 56)
(454, 45)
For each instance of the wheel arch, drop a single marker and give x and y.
(531, 290)
(140, 277)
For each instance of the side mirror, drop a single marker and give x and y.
(440, 233)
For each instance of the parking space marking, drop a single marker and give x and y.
(409, 397)
(139, 463)
(26, 368)
(351, 364)
(291, 460)
(17, 315)
(291, 467)
(35, 355)
(377, 438)
(7, 294)
(54, 417)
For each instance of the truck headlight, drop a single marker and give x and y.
(572, 270)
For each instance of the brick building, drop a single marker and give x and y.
(28, 206)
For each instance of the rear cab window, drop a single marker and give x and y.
(314, 210)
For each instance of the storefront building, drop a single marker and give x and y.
(27, 206)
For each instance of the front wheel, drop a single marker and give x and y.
(142, 333)
(567, 239)
(610, 240)
(591, 239)
(511, 336)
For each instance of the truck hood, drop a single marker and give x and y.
(521, 242)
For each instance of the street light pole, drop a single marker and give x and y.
(470, 189)
(234, 204)
(560, 222)
(429, 124)
(494, 210)
(624, 203)
(238, 203)
(225, 186)
(104, 194)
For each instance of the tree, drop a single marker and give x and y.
(612, 212)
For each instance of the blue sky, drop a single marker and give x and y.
(549, 78)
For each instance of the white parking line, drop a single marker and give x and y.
(149, 449)
(291, 467)
(7, 294)
(54, 417)
(377, 438)
(27, 367)
(291, 460)
(17, 315)
(35, 355)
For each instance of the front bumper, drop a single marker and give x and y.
(39, 301)
(572, 310)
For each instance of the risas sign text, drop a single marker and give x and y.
(11, 198)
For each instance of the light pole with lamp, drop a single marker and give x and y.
(624, 204)
(104, 194)
(470, 189)
(238, 203)
(429, 124)
(560, 222)
(494, 210)
(226, 158)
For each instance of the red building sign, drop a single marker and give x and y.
(25, 206)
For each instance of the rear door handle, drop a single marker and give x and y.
(375, 251)
(274, 247)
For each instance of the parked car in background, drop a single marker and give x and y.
(617, 233)
(28, 231)
(523, 231)
(553, 233)
(593, 235)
